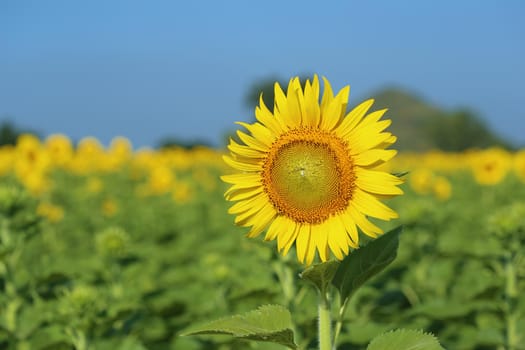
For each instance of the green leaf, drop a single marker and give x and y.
(321, 275)
(269, 323)
(405, 339)
(365, 262)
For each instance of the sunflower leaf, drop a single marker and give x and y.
(403, 339)
(320, 275)
(269, 323)
(365, 262)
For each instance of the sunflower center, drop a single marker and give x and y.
(308, 175)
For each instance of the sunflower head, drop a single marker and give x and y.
(306, 171)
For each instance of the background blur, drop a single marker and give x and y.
(183, 72)
(110, 246)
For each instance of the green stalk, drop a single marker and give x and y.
(285, 276)
(339, 323)
(511, 295)
(325, 322)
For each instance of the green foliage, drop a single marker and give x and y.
(270, 323)
(321, 275)
(18, 226)
(405, 339)
(365, 262)
(508, 220)
(138, 278)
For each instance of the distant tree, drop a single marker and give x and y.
(170, 141)
(9, 133)
(461, 130)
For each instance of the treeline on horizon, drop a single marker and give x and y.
(418, 125)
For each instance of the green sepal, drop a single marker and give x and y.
(320, 275)
(403, 339)
(364, 263)
(269, 323)
(401, 174)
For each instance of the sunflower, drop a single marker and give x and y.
(490, 166)
(306, 171)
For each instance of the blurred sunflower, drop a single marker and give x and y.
(306, 171)
(490, 166)
(59, 148)
(442, 188)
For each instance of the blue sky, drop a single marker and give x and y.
(150, 69)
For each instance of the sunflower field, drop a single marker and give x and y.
(116, 248)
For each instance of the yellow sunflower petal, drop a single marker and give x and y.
(353, 118)
(247, 205)
(378, 182)
(373, 156)
(364, 130)
(241, 178)
(316, 88)
(350, 228)
(251, 216)
(334, 237)
(303, 242)
(265, 216)
(260, 133)
(240, 187)
(369, 205)
(334, 109)
(286, 239)
(282, 109)
(240, 194)
(275, 229)
(265, 117)
(328, 96)
(287, 232)
(373, 117)
(341, 237)
(334, 247)
(363, 142)
(320, 237)
(294, 108)
(252, 142)
(310, 254)
(311, 109)
(244, 151)
(390, 140)
(366, 226)
(244, 166)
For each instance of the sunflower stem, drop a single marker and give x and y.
(339, 323)
(325, 322)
